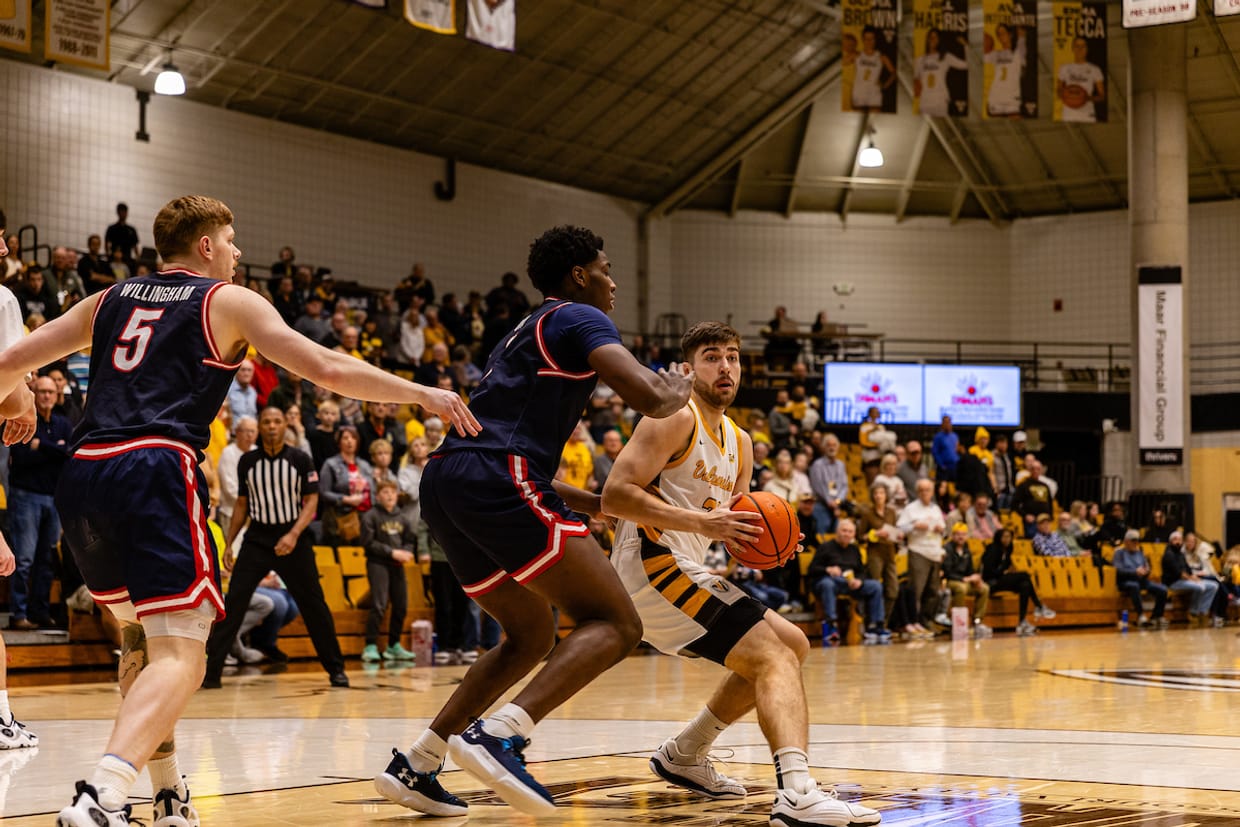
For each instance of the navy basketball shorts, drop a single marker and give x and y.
(493, 519)
(135, 520)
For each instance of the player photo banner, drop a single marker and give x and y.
(940, 66)
(1160, 347)
(15, 25)
(493, 23)
(1139, 13)
(1226, 8)
(1080, 62)
(77, 32)
(438, 16)
(1010, 55)
(869, 55)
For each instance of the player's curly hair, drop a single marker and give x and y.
(555, 253)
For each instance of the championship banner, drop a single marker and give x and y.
(1226, 8)
(493, 23)
(870, 54)
(78, 31)
(1010, 54)
(15, 25)
(1080, 62)
(940, 66)
(1155, 12)
(438, 16)
(1160, 383)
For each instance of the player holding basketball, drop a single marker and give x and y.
(1080, 85)
(671, 487)
(511, 536)
(164, 349)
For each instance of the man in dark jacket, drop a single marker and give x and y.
(390, 540)
(972, 475)
(834, 570)
(963, 580)
(1178, 577)
(1032, 497)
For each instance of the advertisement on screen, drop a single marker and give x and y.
(852, 388)
(972, 394)
(922, 394)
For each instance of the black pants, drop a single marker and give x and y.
(451, 607)
(300, 575)
(1132, 586)
(1021, 584)
(387, 582)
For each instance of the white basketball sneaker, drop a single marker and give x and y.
(173, 811)
(14, 735)
(86, 812)
(815, 806)
(696, 772)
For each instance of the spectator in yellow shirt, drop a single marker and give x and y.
(577, 461)
(981, 447)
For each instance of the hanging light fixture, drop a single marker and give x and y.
(870, 157)
(170, 81)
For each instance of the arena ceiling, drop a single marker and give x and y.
(715, 104)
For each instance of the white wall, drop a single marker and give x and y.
(68, 155)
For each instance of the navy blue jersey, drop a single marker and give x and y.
(537, 383)
(154, 368)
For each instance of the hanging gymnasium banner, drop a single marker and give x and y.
(493, 23)
(869, 55)
(15, 25)
(940, 67)
(1139, 13)
(77, 32)
(1160, 380)
(1226, 8)
(1080, 43)
(1010, 55)
(438, 16)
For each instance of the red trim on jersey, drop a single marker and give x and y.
(553, 368)
(98, 305)
(114, 596)
(203, 586)
(183, 271)
(105, 450)
(557, 527)
(218, 361)
(488, 584)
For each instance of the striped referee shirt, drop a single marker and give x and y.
(275, 485)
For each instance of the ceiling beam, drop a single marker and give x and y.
(862, 135)
(373, 36)
(245, 40)
(1016, 127)
(203, 7)
(802, 141)
(1203, 146)
(294, 36)
(914, 166)
(796, 103)
(1229, 57)
(736, 188)
(962, 193)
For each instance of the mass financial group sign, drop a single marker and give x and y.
(1160, 386)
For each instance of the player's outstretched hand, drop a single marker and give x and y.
(723, 523)
(449, 406)
(679, 377)
(21, 429)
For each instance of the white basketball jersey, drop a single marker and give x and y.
(866, 90)
(701, 478)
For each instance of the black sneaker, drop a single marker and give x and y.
(339, 679)
(401, 784)
(274, 654)
(500, 763)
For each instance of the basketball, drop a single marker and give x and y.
(1075, 96)
(781, 532)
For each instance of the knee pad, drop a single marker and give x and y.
(194, 623)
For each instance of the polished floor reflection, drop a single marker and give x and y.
(1097, 729)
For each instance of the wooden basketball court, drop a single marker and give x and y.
(1101, 729)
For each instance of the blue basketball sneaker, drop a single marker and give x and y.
(401, 784)
(500, 763)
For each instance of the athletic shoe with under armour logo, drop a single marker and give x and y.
(401, 784)
(500, 763)
(14, 735)
(693, 772)
(173, 811)
(86, 812)
(815, 806)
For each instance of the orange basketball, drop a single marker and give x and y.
(1075, 96)
(781, 532)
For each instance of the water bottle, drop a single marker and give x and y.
(1123, 621)
(422, 641)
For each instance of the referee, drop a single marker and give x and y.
(278, 491)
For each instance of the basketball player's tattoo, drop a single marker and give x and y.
(134, 657)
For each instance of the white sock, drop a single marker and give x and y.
(427, 753)
(510, 720)
(700, 734)
(166, 775)
(6, 714)
(113, 778)
(792, 769)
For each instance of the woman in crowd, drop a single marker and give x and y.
(345, 490)
(876, 526)
(1199, 555)
(888, 477)
(410, 476)
(999, 574)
